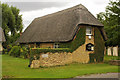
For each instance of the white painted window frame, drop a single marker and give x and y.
(88, 30)
(56, 45)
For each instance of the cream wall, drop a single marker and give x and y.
(46, 45)
(80, 55)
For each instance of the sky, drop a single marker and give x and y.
(31, 9)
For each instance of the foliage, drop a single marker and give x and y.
(15, 51)
(11, 23)
(92, 57)
(99, 47)
(108, 58)
(64, 47)
(6, 51)
(45, 50)
(9, 47)
(17, 68)
(78, 41)
(36, 52)
(111, 20)
(24, 52)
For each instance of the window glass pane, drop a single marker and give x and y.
(56, 45)
(88, 30)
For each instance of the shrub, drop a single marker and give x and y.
(5, 51)
(92, 57)
(9, 47)
(15, 51)
(24, 52)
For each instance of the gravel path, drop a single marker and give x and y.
(106, 75)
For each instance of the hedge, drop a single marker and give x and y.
(24, 52)
(99, 47)
(36, 52)
(65, 46)
(15, 51)
(45, 50)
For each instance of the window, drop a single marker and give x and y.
(89, 30)
(38, 45)
(56, 45)
(89, 47)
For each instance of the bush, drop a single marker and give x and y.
(92, 57)
(9, 47)
(5, 51)
(45, 50)
(15, 51)
(24, 52)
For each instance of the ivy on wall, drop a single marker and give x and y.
(99, 47)
(64, 47)
(78, 41)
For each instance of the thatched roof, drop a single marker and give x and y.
(2, 37)
(58, 27)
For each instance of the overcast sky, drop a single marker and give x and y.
(31, 9)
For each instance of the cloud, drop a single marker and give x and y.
(29, 16)
(28, 6)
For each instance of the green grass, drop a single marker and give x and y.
(107, 58)
(17, 67)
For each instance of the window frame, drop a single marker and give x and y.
(89, 47)
(56, 45)
(89, 29)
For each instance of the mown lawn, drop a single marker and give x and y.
(107, 58)
(18, 68)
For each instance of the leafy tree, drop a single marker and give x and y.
(11, 23)
(111, 20)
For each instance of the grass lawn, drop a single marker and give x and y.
(17, 68)
(107, 58)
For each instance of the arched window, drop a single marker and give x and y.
(89, 47)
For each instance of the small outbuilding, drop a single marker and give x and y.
(70, 35)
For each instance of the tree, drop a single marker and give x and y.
(11, 23)
(111, 20)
